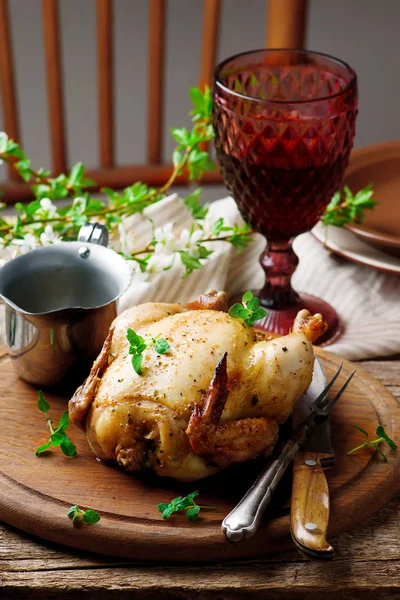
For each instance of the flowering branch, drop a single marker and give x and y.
(42, 222)
(166, 248)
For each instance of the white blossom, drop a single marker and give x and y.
(126, 240)
(188, 242)
(49, 237)
(48, 208)
(166, 242)
(157, 263)
(28, 242)
(207, 225)
(3, 144)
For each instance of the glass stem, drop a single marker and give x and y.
(279, 263)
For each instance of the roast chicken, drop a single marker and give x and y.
(215, 398)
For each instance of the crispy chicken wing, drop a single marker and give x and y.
(216, 397)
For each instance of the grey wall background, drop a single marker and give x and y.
(365, 33)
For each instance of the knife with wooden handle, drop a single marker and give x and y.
(309, 513)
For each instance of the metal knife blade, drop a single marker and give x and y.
(309, 514)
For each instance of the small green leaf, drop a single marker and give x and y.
(192, 513)
(23, 168)
(260, 313)
(63, 423)
(181, 135)
(133, 338)
(203, 251)
(137, 363)
(87, 182)
(162, 346)
(192, 203)
(91, 516)
(42, 448)
(42, 404)
(253, 304)
(235, 309)
(68, 448)
(76, 174)
(72, 511)
(176, 157)
(218, 226)
(57, 438)
(197, 98)
(162, 506)
(382, 433)
(190, 262)
(247, 296)
(193, 495)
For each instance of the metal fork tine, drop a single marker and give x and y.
(319, 400)
(331, 403)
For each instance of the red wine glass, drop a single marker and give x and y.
(284, 122)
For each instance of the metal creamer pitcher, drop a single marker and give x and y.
(60, 301)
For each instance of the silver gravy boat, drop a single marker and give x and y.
(60, 301)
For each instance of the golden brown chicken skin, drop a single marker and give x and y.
(215, 398)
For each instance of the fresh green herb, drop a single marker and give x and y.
(79, 516)
(345, 207)
(249, 310)
(58, 437)
(137, 344)
(180, 505)
(192, 203)
(161, 346)
(383, 437)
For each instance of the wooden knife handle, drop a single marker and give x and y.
(309, 515)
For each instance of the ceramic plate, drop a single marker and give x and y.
(346, 244)
(380, 165)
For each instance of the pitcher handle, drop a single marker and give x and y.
(93, 233)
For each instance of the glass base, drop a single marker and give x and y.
(281, 321)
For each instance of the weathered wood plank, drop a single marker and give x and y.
(267, 581)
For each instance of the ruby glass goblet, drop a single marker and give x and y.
(284, 122)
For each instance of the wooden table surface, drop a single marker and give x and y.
(367, 563)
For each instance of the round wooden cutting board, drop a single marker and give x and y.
(36, 492)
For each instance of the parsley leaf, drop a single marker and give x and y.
(250, 310)
(181, 504)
